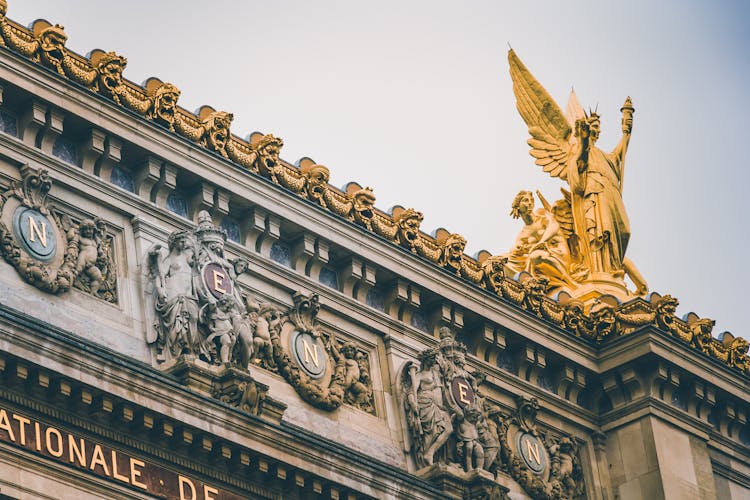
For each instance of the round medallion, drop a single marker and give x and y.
(532, 451)
(309, 354)
(217, 280)
(462, 392)
(36, 233)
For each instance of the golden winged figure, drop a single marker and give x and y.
(565, 147)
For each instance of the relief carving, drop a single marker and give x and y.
(47, 248)
(95, 267)
(324, 372)
(202, 313)
(545, 467)
(449, 420)
(445, 413)
(200, 310)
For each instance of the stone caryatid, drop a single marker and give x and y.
(565, 147)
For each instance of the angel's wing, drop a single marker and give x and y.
(548, 126)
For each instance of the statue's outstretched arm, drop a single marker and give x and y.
(627, 127)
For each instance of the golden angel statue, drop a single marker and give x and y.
(564, 145)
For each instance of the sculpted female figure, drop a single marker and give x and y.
(176, 300)
(430, 422)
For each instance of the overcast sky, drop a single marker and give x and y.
(415, 100)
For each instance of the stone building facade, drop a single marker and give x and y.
(185, 315)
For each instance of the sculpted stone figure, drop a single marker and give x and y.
(164, 105)
(452, 254)
(316, 182)
(268, 322)
(446, 411)
(211, 241)
(200, 309)
(52, 47)
(218, 317)
(407, 228)
(564, 464)
(267, 150)
(216, 132)
(90, 254)
(363, 203)
(356, 377)
(468, 446)
(109, 68)
(176, 298)
(428, 419)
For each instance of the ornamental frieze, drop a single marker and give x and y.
(50, 249)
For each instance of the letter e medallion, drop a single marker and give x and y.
(217, 280)
(462, 392)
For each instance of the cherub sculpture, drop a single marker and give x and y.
(89, 241)
(218, 316)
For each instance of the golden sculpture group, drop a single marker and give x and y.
(573, 249)
(579, 243)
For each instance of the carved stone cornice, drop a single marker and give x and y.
(210, 129)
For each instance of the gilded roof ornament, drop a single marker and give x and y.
(591, 259)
